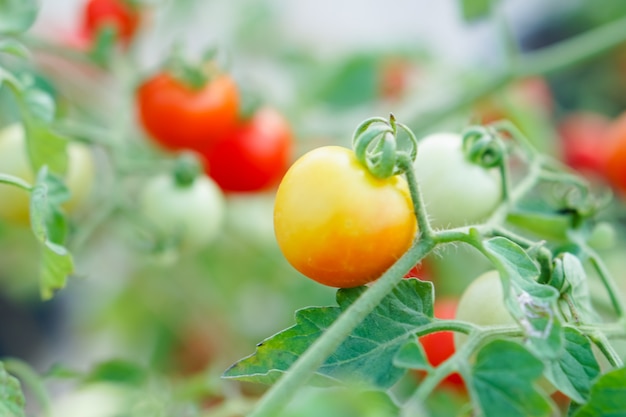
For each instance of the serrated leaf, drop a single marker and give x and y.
(118, 371)
(575, 276)
(475, 9)
(412, 356)
(502, 381)
(530, 303)
(12, 400)
(607, 396)
(13, 47)
(45, 147)
(577, 367)
(366, 355)
(17, 15)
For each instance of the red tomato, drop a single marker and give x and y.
(582, 139)
(440, 346)
(117, 13)
(615, 154)
(178, 116)
(395, 77)
(420, 271)
(254, 156)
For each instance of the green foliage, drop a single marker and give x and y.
(11, 397)
(476, 9)
(607, 396)
(367, 355)
(117, 371)
(502, 381)
(49, 226)
(17, 15)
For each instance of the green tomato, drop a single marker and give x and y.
(14, 206)
(456, 192)
(190, 214)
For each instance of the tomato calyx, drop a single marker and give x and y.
(194, 75)
(375, 144)
(186, 170)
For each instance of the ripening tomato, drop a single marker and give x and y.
(253, 156)
(119, 14)
(191, 214)
(439, 346)
(178, 116)
(615, 154)
(15, 202)
(583, 140)
(337, 223)
(456, 192)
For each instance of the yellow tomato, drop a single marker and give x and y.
(14, 202)
(338, 224)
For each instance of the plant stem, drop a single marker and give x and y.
(31, 379)
(439, 325)
(16, 181)
(299, 373)
(607, 350)
(607, 280)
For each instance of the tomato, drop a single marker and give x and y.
(190, 214)
(15, 202)
(338, 224)
(482, 303)
(439, 346)
(456, 192)
(395, 77)
(253, 156)
(582, 139)
(422, 271)
(615, 154)
(178, 116)
(117, 13)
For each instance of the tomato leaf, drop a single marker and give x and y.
(544, 225)
(367, 354)
(607, 396)
(575, 276)
(575, 370)
(530, 303)
(475, 9)
(12, 400)
(412, 356)
(502, 380)
(13, 47)
(354, 83)
(49, 227)
(17, 15)
(45, 147)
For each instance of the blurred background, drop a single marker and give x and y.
(325, 66)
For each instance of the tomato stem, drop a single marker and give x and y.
(16, 181)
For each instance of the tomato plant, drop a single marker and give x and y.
(448, 180)
(254, 155)
(337, 223)
(14, 161)
(121, 15)
(190, 213)
(439, 346)
(181, 116)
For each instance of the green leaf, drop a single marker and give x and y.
(530, 303)
(412, 356)
(40, 104)
(502, 381)
(118, 371)
(13, 47)
(45, 147)
(50, 227)
(354, 83)
(551, 226)
(574, 371)
(475, 9)
(17, 15)
(366, 355)
(11, 397)
(607, 396)
(578, 287)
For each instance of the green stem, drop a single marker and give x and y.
(607, 280)
(16, 181)
(31, 379)
(299, 373)
(607, 350)
(419, 207)
(438, 325)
